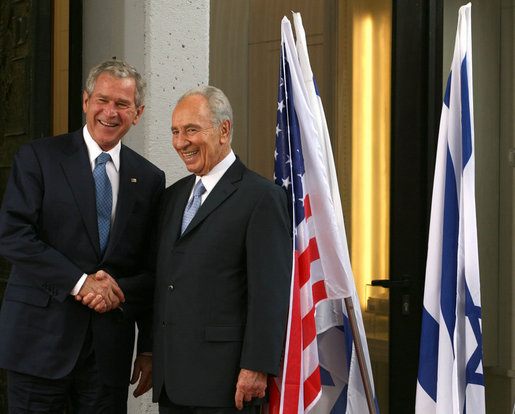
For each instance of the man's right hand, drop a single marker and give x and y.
(100, 292)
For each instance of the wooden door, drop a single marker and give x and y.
(25, 43)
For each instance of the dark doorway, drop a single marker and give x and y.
(25, 42)
(416, 106)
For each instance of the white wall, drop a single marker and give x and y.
(168, 42)
(176, 59)
(114, 29)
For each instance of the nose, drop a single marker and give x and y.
(110, 109)
(180, 140)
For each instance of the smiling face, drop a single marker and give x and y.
(199, 143)
(111, 109)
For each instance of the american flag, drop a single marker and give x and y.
(302, 376)
(319, 263)
(343, 388)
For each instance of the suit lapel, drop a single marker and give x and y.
(77, 170)
(222, 190)
(171, 219)
(128, 188)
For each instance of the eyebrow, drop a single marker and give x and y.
(190, 125)
(125, 101)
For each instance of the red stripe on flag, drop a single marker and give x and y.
(307, 207)
(274, 396)
(319, 292)
(293, 366)
(312, 387)
(305, 259)
(309, 329)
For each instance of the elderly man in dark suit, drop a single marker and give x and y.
(75, 223)
(223, 270)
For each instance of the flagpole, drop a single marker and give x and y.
(367, 385)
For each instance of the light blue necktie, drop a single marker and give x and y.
(104, 195)
(193, 205)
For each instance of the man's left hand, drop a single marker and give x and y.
(143, 371)
(250, 384)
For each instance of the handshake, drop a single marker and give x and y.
(100, 292)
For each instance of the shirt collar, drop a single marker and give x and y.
(94, 150)
(212, 177)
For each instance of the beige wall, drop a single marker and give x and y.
(502, 376)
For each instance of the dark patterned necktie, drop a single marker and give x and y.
(104, 195)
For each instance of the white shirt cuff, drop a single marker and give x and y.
(76, 289)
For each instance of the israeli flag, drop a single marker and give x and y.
(450, 375)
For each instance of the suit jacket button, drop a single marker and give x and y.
(171, 287)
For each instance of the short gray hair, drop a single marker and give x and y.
(218, 103)
(117, 69)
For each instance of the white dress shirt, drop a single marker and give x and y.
(113, 172)
(212, 177)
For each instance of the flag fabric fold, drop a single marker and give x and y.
(450, 375)
(304, 166)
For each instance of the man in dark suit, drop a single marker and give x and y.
(81, 274)
(223, 273)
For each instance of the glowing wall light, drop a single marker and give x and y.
(370, 202)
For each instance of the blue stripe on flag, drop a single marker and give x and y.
(325, 377)
(465, 114)
(473, 313)
(447, 96)
(349, 339)
(340, 405)
(428, 368)
(450, 249)
(316, 86)
(345, 344)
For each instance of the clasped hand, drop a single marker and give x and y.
(100, 292)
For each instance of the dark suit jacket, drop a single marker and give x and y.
(48, 230)
(222, 288)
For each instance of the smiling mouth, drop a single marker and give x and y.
(189, 154)
(106, 124)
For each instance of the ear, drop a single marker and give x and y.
(225, 131)
(85, 100)
(139, 111)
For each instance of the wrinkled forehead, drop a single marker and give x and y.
(192, 110)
